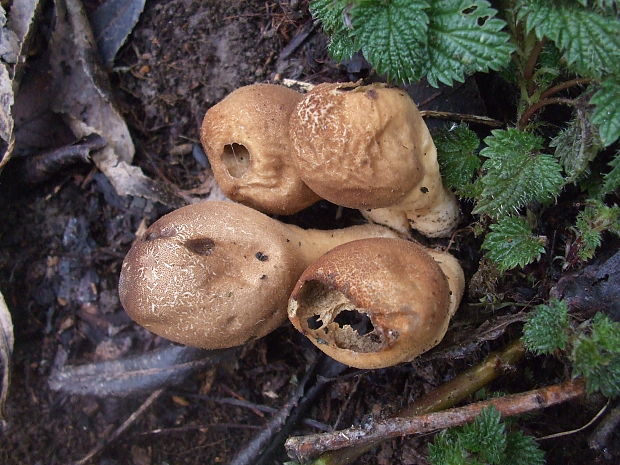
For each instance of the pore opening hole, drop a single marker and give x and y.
(236, 159)
(360, 322)
(314, 322)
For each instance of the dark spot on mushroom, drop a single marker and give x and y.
(424, 189)
(201, 246)
(314, 322)
(372, 94)
(263, 276)
(261, 256)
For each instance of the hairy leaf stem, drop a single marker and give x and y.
(527, 114)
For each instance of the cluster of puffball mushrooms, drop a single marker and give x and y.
(220, 274)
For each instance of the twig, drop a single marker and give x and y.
(600, 437)
(278, 427)
(445, 396)
(527, 114)
(577, 430)
(121, 429)
(565, 85)
(462, 117)
(303, 448)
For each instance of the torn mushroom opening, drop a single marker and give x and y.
(333, 318)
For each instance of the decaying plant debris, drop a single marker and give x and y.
(96, 148)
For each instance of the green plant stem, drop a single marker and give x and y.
(527, 114)
(445, 396)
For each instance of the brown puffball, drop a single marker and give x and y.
(218, 274)
(246, 139)
(367, 147)
(374, 303)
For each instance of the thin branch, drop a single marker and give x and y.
(600, 438)
(303, 448)
(442, 397)
(462, 117)
(121, 429)
(527, 114)
(564, 85)
(577, 430)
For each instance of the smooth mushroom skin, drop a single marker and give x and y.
(375, 303)
(245, 137)
(218, 274)
(367, 147)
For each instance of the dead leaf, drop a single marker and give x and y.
(83, 96)
(7, 340)
(14, 38)
(112, 22)
(132, 375)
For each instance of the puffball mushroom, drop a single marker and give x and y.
(246, 139)
(374, 303)
(367, 147)
(218, 274)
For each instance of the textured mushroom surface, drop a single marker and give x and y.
(374, 303)
(355, 146)
(207, 276)
(368, 147)
(246, 139)
(217, 274)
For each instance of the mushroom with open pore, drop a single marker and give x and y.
(218, 274)
(246, 139)
(367, 147)
(373, 303)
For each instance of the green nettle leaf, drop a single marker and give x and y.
(596, 356)
(611, 181)
(331, 15)
(486, 436)
(484, 441)
(511, 243)
(577, 145)
(546, 328)
(393, 36)
(590, 224)
(456, 152)
(464, 37)
(606, 113)
(589, 39)
(514, 174)
(523, 450)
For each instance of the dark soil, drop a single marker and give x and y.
(62, 243)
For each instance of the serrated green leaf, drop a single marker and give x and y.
(486, 436)
(611, 181)
(606, 113)
(596, 356)
(523, 450)
(589, 39)
(456, 152)
(393, 36)
(546, 328)
(591, 222)
(464, 37)
(577, 145)
(330, 13)
(514, 174)
(511, 243)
